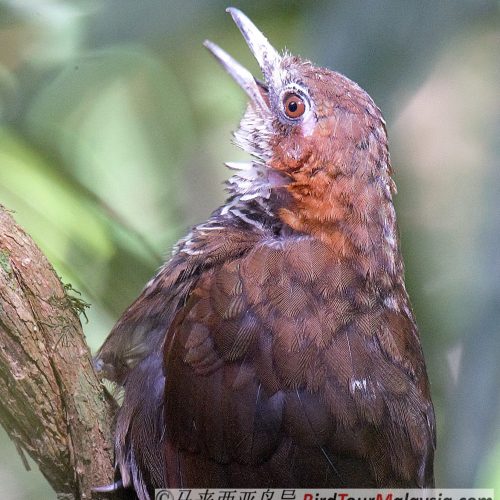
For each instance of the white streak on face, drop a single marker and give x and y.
(308, 123)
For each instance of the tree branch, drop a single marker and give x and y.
(51, 402)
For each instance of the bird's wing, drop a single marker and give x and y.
(142, 327)
(132, 354)
(283, 367)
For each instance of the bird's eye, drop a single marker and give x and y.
(294, 106)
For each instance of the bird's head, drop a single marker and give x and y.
(312, 132)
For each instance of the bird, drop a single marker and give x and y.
(278, 347)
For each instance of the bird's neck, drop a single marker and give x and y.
(353, 213)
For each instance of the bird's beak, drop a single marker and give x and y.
(267, 57)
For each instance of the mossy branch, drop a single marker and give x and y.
(51, 402)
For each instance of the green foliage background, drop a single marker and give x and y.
(115, 123)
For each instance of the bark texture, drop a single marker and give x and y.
(51, 402)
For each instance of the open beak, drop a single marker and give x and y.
(267, 57)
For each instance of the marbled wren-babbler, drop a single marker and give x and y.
(277, 347)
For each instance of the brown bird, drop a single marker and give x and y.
(277, 347)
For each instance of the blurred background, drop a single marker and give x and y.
(115, 123)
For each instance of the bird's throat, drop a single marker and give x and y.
(353, 214)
